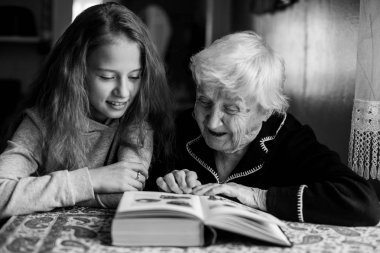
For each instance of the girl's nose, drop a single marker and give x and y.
(123, 88)
(215, 118)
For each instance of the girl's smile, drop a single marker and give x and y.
(117, 105)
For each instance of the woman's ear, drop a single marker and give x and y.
(263, 112)
(267, 115)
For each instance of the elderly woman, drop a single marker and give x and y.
(240, 142)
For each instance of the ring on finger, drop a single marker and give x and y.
(138, 175)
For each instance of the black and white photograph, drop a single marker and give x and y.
(189, 125)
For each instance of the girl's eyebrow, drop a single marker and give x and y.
(136, 70)
(112, 70)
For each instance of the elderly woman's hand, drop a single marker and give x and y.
(178, 181)
(249, 196)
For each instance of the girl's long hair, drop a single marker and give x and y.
(60, 89)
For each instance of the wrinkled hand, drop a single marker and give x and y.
(119, 177)
(178, 181)
(253, 197)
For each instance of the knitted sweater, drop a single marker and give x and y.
(28, 184)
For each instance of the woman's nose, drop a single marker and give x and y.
(215, 118)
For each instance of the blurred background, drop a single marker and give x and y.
(318, 40)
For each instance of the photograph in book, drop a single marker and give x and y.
(168, 219)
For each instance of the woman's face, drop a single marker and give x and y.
(228, 120)
(113, 78)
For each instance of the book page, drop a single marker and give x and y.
(218, 205)
(265, 231)
(159, 204)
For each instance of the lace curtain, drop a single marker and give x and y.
(364, 153)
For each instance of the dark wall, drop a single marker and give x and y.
(24, 26)
(187, 24)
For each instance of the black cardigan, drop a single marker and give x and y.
(305, 180)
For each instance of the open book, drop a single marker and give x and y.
(167, 219)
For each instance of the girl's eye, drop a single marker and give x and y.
(106, 77)
(232, 109)
(135, 77)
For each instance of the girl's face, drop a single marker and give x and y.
(228, 121)
(113, 78)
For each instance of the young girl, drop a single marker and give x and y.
(100, 101)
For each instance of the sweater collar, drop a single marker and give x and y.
(95, 126)
(254, 158)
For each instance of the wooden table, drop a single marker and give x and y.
(81, 229)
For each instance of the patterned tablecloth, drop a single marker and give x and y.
(88, 230)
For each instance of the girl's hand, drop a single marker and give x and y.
(119, 177)
(253, 197)
(178, 181)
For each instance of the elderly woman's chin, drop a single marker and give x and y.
(221, 143)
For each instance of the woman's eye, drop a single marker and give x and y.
(232, 109)
(203, 101)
